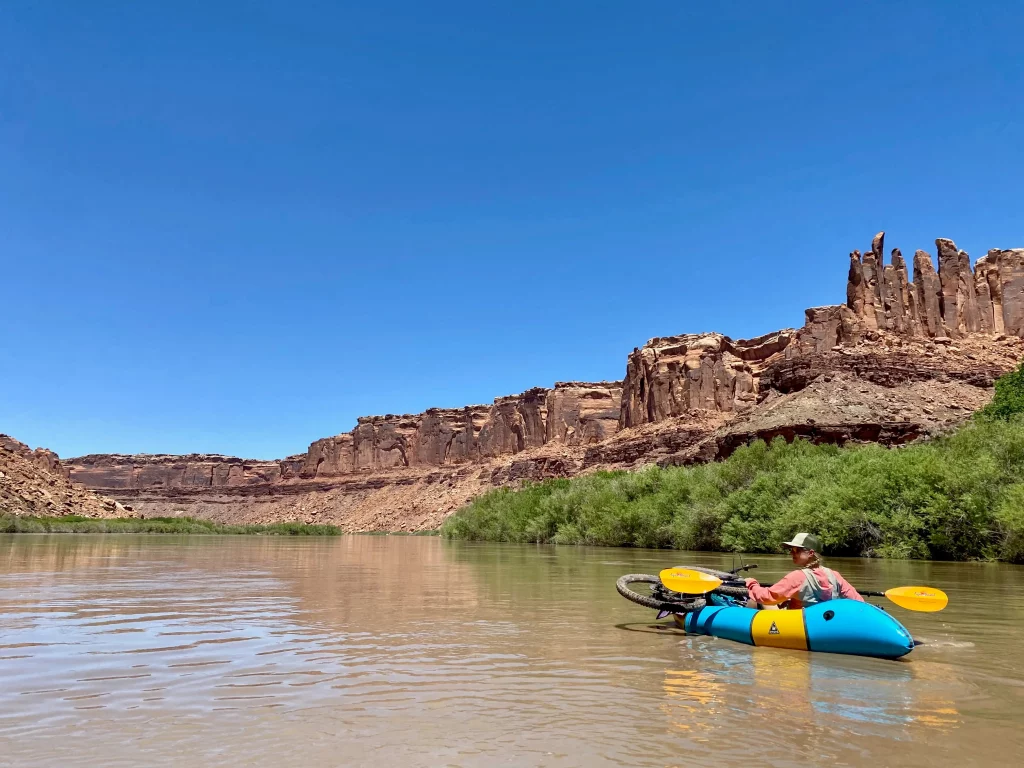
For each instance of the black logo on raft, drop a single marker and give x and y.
(774, 630)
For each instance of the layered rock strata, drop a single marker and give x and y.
(571, 414)
(842, 407)
(117, 472)
(901, 359)
(671, 376)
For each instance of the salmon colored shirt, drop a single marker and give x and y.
(787, 589)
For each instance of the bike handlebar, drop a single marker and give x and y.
(749, 567)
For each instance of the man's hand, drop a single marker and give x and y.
(751, 583)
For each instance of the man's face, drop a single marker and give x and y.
(801, 556)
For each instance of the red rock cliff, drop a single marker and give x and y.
(674, 375)
(571, 414)
(900, 359)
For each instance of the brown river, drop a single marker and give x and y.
(135, 651)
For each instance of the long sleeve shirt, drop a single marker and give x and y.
(789, 585)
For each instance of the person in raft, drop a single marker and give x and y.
(812, 583)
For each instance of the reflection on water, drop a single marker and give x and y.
(693, 699)
(377, 650)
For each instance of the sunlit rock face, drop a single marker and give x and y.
(675, 375)
(900, 359)
(954, 302)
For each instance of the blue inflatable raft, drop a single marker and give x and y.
(835, 626)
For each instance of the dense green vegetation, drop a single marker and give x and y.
(79, 524)
(958, 497)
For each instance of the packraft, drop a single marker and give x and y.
(832, 626)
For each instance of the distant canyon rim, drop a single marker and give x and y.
(898, 361)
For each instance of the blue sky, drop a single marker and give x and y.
(235, 227)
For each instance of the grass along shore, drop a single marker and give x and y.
(958, 497)
(79, 524)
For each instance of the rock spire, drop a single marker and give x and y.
(955, 302)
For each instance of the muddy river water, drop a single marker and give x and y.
(131, 650)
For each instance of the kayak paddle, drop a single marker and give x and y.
(925, 599)
(689, 582)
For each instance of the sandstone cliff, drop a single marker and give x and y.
(899, 360)
(571, 414)
(703, 372)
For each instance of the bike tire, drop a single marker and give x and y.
(622, 586)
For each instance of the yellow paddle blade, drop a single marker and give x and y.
(918, 598)
(689, 582)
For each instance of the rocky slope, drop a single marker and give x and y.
(898, 361)
(35, 483)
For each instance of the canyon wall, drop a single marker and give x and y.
(571, 414)
(117, 472)
(899, 360)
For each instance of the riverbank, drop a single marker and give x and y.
(958, 497)
(189, 525)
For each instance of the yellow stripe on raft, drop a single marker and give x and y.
(779, 629)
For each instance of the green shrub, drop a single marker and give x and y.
(1009, 518)
(1008, 400)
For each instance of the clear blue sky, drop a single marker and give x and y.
(234, 227)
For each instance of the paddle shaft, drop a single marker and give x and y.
(860, 591)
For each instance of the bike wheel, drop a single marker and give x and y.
(624, 586)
